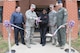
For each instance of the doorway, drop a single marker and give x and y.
(38, 11)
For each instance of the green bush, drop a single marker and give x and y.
(4, 45)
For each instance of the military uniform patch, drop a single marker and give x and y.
(65, 12)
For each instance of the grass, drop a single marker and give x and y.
(3, 45)
(76, 44)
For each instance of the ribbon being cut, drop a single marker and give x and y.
(48, 34)
(8, 24)
(70, 24)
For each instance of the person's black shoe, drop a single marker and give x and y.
(40, 43)
(43, 44)
(62, 47)
(17, 44)
(58, 45)
(23, 43)
(53, 43)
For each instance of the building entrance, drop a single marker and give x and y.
(38, 11)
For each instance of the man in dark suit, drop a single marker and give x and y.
(43, 26)
(18, 19)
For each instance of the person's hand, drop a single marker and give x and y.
(40, 21)
(36, 18)
(67, 31)
(24, 26)
(12, 28)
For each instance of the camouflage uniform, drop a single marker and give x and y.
(30, 23)
(61, 19)
(52, 24)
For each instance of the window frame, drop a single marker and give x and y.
(1, 12)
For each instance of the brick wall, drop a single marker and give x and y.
(73, 15)
(43, 2)
(1, 3)
(1, 25)
(9, 7)
(24, 6)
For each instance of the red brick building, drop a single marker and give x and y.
(8, 6)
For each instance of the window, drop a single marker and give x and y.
(1, 12)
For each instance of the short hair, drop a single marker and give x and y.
(51, 5)
(45, 9)
(33, 6)
(17, 7)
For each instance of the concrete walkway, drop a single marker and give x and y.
(38, 48)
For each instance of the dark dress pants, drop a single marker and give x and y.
(16, 33)
(43, 32)
(62, 36)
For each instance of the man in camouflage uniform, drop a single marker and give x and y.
(61, 19)
(52, 22)
(30, 23)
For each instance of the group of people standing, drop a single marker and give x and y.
(54, 19)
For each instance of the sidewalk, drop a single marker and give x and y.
(38, 48)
